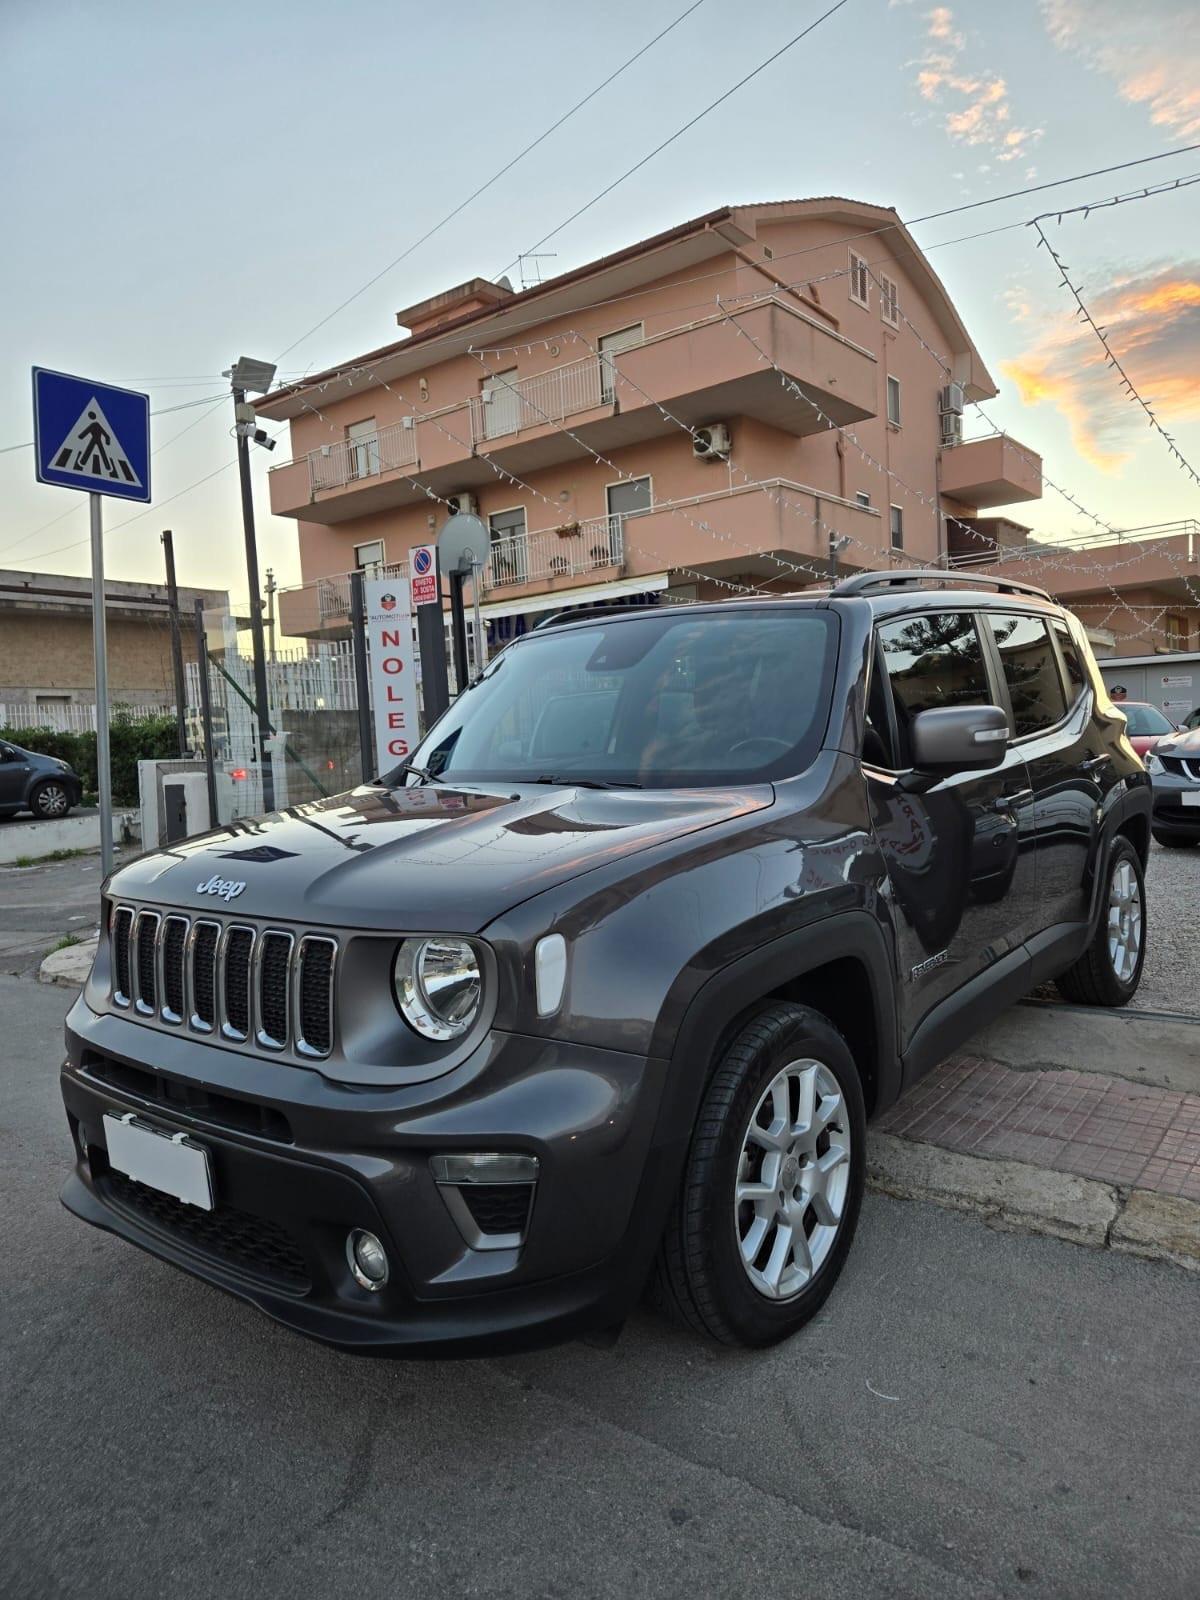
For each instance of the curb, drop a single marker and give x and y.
(71, 965)
(1012, 1194)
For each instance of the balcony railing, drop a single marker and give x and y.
(333, 593)
(334, 465)
(501, 409)
(556, 552)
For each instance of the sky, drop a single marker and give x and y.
(185, 184)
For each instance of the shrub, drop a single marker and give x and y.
(131, 739)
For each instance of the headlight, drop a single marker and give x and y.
(1153, 765)
(439, 986)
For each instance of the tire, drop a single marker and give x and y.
(1099, 978)
(50, 801)
(700, 1275)
(1170, 841)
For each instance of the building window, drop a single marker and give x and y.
(889, 300)
(369, 557)
(510, 553)
(362, 443)
(610, 346)
(863, 498)
(893, 401)
(860, 278)
(1176, 629)
(897, 527)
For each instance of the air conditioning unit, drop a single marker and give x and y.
(950, 400)
(951, 429)
(711, 443)
(462, 505)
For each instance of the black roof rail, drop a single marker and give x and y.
(862, 582)
(590, 613)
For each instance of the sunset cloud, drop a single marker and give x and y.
(975, 104)
(1152, 320)
(1151, 51)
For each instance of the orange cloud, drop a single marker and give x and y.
(985, 119)
(1151, 51)
(1152, 321)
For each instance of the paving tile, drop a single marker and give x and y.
(1103, 1128)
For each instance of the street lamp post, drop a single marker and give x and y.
(255, 377)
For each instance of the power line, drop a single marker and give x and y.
(679, 132)
(1111, 357)
(495, 177)
(162, 411)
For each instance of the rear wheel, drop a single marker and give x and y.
(1110, 969)
(1171, 841)
(50, 800)
(773, 1183)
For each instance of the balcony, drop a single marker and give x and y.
(1161, 558)
(991, 472)
(721, 367)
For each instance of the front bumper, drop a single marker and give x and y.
(1170, 815)
(298, 1162)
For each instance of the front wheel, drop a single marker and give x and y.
(50, 801)
(1110, 969)
(773, 1183)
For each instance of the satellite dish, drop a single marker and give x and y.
(464, 542)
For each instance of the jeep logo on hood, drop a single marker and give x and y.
(227, 888)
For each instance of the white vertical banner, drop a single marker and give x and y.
(393, 669)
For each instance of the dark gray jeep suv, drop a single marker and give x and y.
(599, 990)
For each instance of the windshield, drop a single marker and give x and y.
(1143, 721)
(665, 701)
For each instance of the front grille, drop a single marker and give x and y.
(122, 929)
(239, 942)
(242, 1240)
(1180, 767)
(174, 937)
(145, 961)
(273, 986)
(165, 1093)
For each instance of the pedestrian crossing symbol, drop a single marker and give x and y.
(91, 436)
(91, 449)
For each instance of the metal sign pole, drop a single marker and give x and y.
(210, 771)
(100, 647)
(362, 689)
(480, 634)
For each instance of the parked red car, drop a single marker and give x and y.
(1146, 724)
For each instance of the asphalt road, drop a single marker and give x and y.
(38, 905)
(973, 1414)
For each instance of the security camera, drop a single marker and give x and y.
(260, 436)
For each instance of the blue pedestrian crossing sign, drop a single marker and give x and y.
(91, 436)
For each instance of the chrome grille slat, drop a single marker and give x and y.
(271, 986)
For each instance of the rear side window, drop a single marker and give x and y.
(1030, 670)
(933, 660)
(1076, 676)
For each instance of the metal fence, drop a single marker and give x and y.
(67, 716)
(386, 450)
(504, 407)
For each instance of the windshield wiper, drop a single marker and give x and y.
(409, 766)
(569, 780)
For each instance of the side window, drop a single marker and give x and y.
(1076, 676)
(1030, 670)
(877, 732)
(933, 660)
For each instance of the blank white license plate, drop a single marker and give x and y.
(170, 1163)
(1191, 797)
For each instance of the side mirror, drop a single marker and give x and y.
(957, 739)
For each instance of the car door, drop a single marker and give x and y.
(960, 854)
(1070, 771)
(14, 773)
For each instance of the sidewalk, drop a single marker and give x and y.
(1065, 1145)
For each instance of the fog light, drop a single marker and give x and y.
(368, 1259)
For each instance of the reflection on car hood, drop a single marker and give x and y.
(423, 859)
(1185, 745)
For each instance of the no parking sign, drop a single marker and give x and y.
(424, 579)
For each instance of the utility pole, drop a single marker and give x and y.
(271, 588)
(176, 642)
(245, 375)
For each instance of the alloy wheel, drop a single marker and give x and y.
(793, 1179)
(1124, 921)
(52, 800)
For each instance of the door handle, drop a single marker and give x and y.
(1009, 802)
(1094, 762)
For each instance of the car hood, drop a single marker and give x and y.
(1185, 745)
(426, 859)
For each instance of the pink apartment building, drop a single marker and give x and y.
(727, 403)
